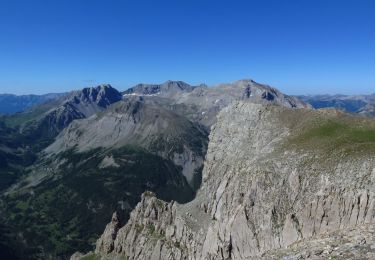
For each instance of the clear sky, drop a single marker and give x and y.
(299, 47)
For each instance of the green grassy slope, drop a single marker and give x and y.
(335, 132)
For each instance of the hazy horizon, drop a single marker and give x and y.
(196, 84)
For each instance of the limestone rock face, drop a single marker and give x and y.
(272, 177)
(106, 242)
(347, 243)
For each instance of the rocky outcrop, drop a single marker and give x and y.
(106, 242)
(347, 243)
(148, 224)
(272, 177)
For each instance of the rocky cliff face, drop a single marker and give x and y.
(272, 177)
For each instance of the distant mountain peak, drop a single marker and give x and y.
(177, 83)
(77, 105)
(170, 87)
(103, 95)
(245, 81)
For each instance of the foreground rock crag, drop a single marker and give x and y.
(272, 177)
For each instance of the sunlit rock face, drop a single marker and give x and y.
(272, 177)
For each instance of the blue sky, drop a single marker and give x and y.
(299, 47)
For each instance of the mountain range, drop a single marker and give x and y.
(69, 162)
(360, 104)
(10, 103)
(226, 172)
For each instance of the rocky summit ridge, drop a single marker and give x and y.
(274, 178)
(201, 103)
(223, 94)
(167, 88)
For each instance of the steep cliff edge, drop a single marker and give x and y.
(273, 176)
